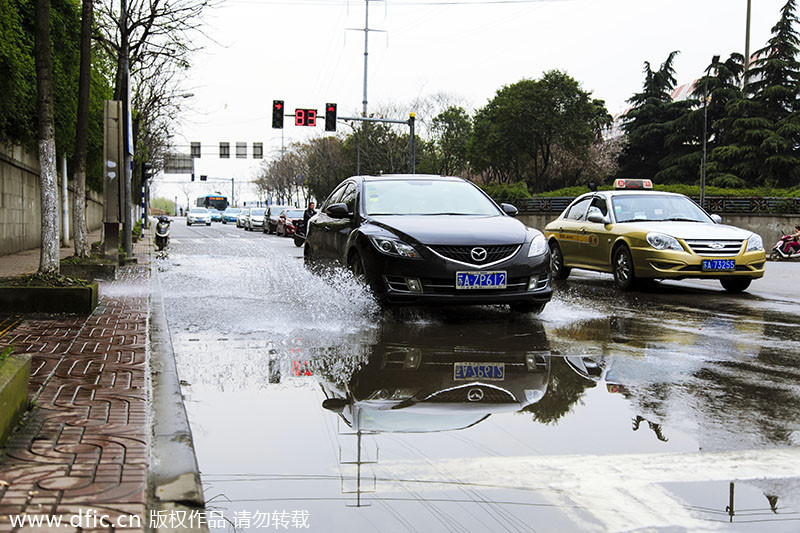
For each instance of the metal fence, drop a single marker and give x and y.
(713, 204)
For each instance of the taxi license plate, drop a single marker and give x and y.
(718, 265)
(476, 371)
(481, 280)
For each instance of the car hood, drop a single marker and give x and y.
(455, 229)
(692, 230)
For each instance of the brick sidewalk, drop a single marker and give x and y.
(85, 445)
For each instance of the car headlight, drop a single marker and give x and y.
(395, 248)
(659, 241)
(538, 243)
(755, 243)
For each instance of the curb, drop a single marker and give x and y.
(174, 477)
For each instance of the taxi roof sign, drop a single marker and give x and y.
(632, 184)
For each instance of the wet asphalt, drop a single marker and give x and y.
(674, 409)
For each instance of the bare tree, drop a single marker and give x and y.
(49, 255)
(82, 132)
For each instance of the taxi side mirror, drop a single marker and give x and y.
(597, 218)
(717, 219)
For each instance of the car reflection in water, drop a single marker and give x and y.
(423, 379)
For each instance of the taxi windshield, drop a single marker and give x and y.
(656, 208)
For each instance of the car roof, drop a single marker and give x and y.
(421, 177)
(623, 192)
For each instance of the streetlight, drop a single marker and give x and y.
(714, 61)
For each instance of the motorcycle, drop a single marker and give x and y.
(778, 252)
(162, 233)
(299, 233)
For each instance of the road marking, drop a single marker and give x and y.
(623, 492)
(9, 323)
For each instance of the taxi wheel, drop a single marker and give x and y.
(557, 268)
(624, 276)
(735, 284)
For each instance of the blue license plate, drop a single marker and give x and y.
(481, 280)
(718, 265)
(479, 371)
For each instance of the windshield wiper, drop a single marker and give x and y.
(681, 219)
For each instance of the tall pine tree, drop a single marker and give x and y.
(762, 128)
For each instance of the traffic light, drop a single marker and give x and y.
(330, 117)
(277, 114)
(147, 171)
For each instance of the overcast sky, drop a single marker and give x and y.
(302, 52)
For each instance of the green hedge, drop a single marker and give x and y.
(688, 190)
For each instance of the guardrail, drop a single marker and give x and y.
(713, 204)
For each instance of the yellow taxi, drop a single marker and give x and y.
(641, 235)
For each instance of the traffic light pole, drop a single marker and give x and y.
(409, 122)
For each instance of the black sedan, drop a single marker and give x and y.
(418, 239)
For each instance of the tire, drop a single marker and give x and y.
(271, 229)
(187, 223)
(557, 268)
(356, 266)
(208, 223)
(298, 242)
(735, 284)
(622, 265)
(527, 307)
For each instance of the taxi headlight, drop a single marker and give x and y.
(660, 241)
(538, 243)
(755, 243)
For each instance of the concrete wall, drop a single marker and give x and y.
(770, 227)
(20, 201)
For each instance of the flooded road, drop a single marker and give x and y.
(675, 409)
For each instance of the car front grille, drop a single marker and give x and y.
(462, 395)
(463, 254)
(715, 248)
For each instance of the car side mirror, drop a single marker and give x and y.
(509, 210)
(337, 211)
(717, 219)
(597, 218)
(335, 405)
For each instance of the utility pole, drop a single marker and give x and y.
(746, 47)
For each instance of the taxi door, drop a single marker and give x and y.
(568, 232)
(597, 236)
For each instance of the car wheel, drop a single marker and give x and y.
(527, 307)
(735, 284)
(187, 223)
(622, 263)
(208, 223)
(298, 241)
(557, 268)
(271, 229)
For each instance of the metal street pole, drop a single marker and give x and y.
(412, 162)
(176, 206)
(746, 47)
(714, 61)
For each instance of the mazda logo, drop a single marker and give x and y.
(475, 395)
(478, 254)
(716, 245)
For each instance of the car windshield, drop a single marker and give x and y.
(232, 211)
(199, 210)
(294, 213)
(425, 197)
(275, 211)
(257, 212)
(656, 208)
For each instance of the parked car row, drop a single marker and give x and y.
(275, 219)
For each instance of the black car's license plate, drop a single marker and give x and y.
(475, 371)
(481, 280)
(718, 265)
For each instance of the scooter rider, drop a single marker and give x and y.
(310, 212)
(793, 245)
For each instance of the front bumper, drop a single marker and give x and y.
(528, 279)
(256, 223)
(671, 264)
(192, 220)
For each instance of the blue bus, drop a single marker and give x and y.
(216, 201)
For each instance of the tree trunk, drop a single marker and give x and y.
(82, 132)
(49, 255)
